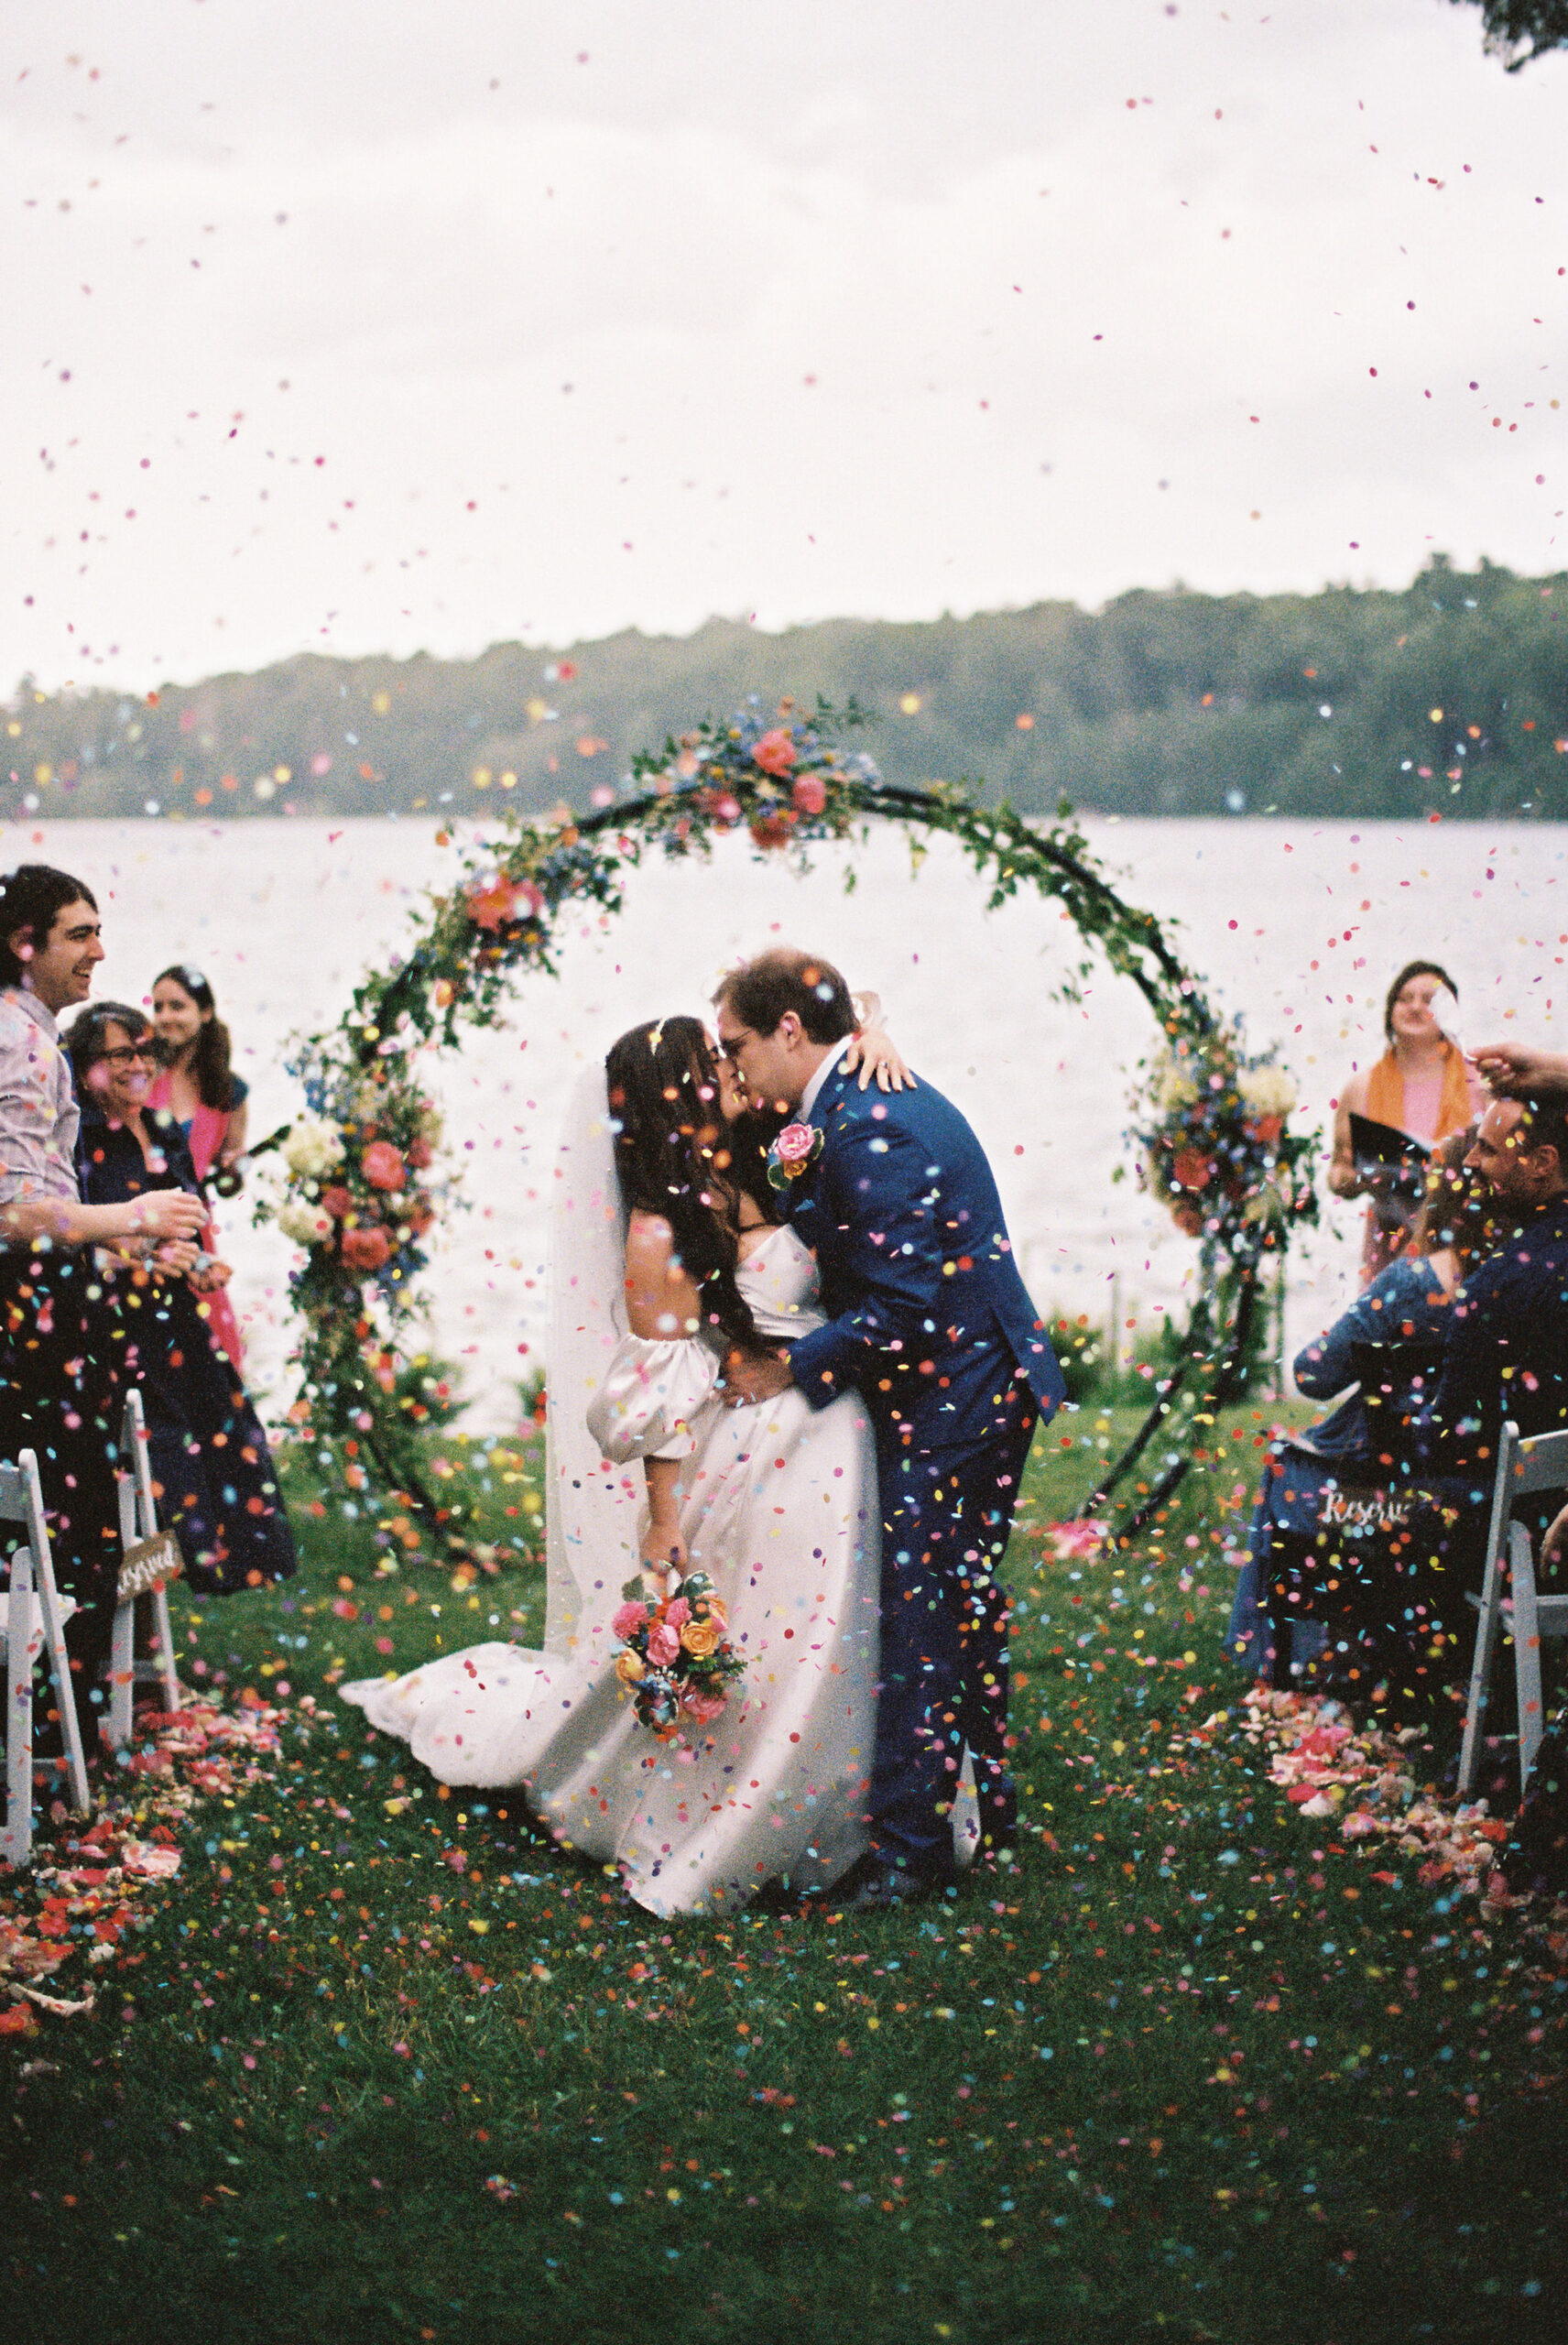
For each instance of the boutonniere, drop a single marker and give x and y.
(792, 1154)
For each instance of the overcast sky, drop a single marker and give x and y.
(368, 325)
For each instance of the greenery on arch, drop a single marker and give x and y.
(356, 1194)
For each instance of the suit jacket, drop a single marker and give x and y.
(926, 1314)
(1505, 1352)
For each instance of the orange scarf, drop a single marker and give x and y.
(1386, 1093)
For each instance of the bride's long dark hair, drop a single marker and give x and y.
(676, 1157)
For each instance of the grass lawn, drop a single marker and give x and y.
(380, 2068)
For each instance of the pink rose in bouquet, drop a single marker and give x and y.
(703, 1708)
(663, 1645)
(628, 1621)
(677, 1612)
(810, 793)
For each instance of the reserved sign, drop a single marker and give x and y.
(151, 1562)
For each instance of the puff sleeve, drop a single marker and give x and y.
(651, 1392)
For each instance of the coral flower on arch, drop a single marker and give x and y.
(775, 753)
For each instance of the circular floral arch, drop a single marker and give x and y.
(1209, 1118)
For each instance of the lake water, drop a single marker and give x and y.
(1298, 926)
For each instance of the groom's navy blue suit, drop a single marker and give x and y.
(929, 1320)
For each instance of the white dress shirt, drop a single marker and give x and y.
(38, 1115)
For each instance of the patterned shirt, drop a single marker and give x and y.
(38, 1115)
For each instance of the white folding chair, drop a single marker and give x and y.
(1524, 1469)
(149, 1559)
(32, 1575)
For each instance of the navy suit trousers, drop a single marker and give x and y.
(943, 1676)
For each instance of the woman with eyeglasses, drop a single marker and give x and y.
(194, 1082)
(210, 1463)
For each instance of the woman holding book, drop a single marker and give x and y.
(1420, 1088)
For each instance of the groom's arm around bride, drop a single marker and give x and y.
(929, 1317)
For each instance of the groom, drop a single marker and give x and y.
(929, 1318)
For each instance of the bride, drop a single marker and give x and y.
(666, 1254)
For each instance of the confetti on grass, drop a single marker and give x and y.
(91, 1890)
(1327, 1767)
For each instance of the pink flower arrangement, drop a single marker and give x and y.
(775, 753)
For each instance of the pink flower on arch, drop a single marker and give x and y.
(775, 753)
(384, 1166)
(493, 904)
(365, 1249)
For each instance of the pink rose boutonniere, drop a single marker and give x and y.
(793, 1153)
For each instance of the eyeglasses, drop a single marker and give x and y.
(127, 1055)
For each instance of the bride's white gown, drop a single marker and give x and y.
(780, 1506)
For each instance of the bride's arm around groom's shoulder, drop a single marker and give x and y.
(876, 1195)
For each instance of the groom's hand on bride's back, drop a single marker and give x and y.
(755, 1375)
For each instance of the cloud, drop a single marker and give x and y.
(908, 313)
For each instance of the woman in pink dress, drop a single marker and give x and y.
(198, 1086)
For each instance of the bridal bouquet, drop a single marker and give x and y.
(676, 1658)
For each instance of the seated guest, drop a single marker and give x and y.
(197, 1085)
(1392, 1335)
(1399, 1587)
(66, 1353)
(211, 1468)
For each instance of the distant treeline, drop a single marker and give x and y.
(1452, 696)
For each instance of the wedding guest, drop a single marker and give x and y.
(211, 1468)
(1504, 1354)
(66, 1352)
(1419, 1086)
(1404, 1315)
(195, 1084)
(196, 1080)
